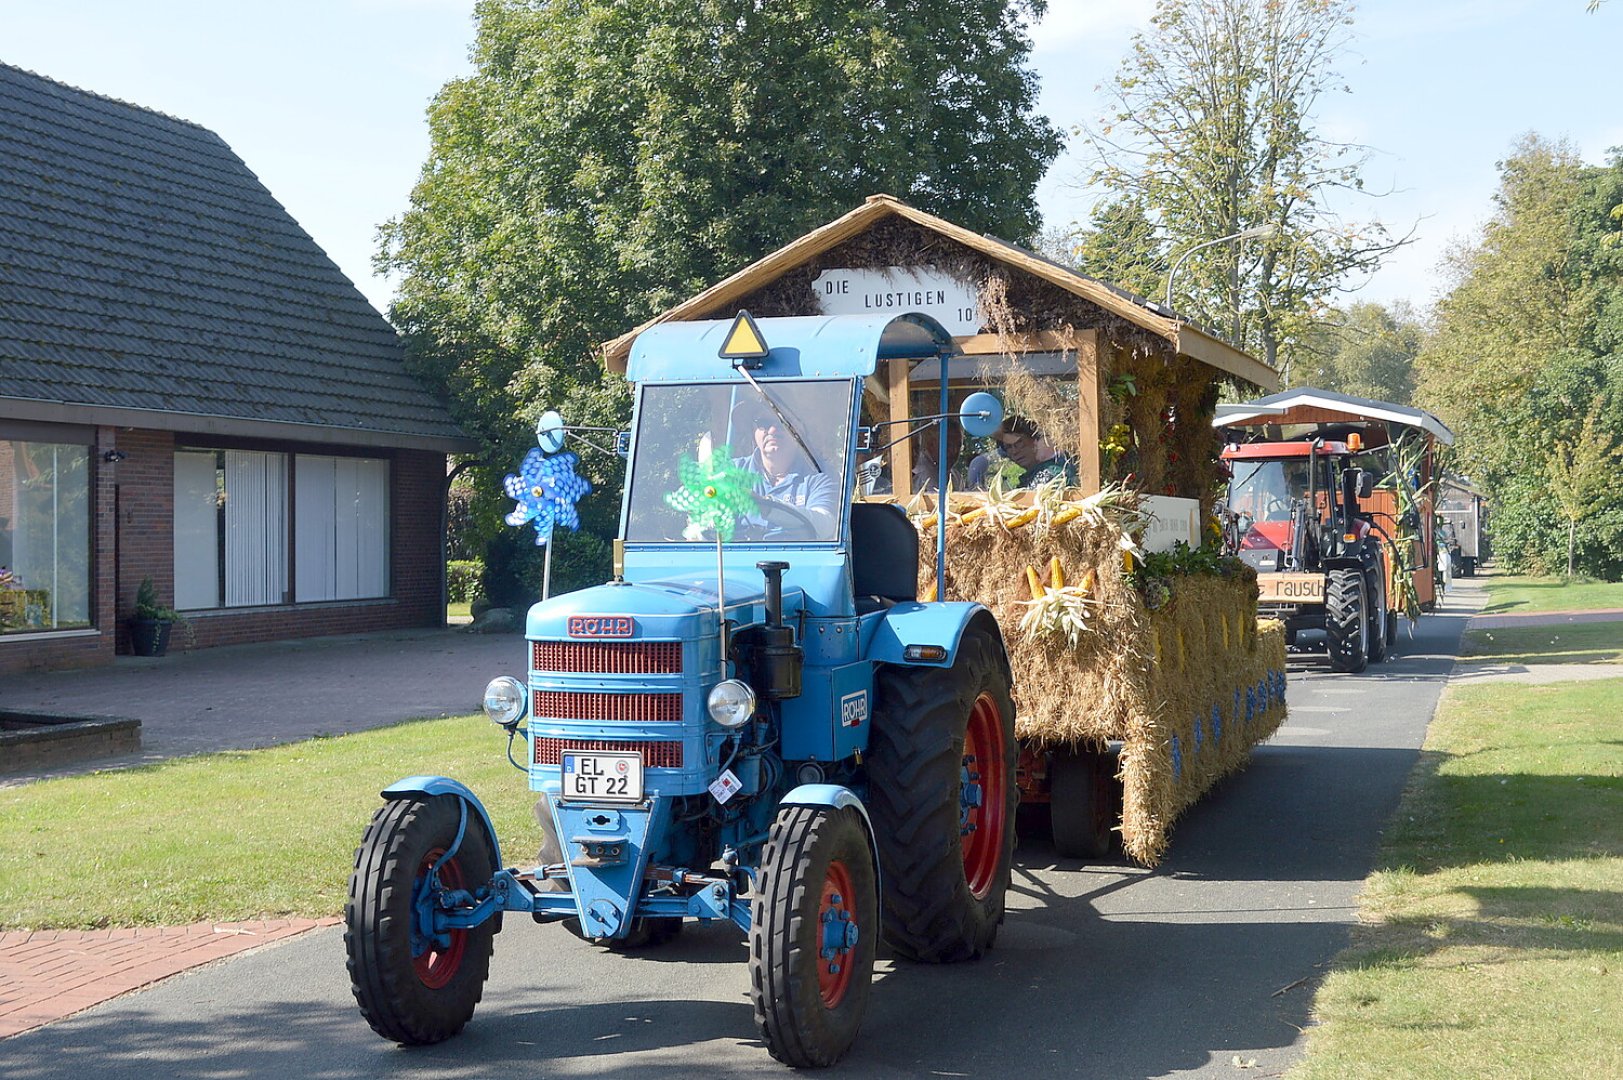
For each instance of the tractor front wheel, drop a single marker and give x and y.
(813, 923)
(942, 796)
(1346, 621)
(415, 986)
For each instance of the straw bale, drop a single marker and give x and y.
(1148, 679)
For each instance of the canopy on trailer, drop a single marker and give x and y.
(1305, 406)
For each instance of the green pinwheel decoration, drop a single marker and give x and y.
(715, 493)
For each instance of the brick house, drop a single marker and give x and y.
(191, 390)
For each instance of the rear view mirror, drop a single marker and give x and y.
(980, 414)
(1366, 483)
(549, 432)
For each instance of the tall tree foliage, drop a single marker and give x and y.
(608, 158)
(1527, 359)
(1367, 350)
(1210, 132)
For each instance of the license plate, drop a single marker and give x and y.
(1290, 588)
(603, 777)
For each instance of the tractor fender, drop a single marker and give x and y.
(429, 786)
(837, 797)
(940, 624)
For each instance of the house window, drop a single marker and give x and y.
(341, 528)
(234, 530)
(44, 536)
(231, 527)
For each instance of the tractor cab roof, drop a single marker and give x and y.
(1307, 410)
(802, 346)
(1269, 451)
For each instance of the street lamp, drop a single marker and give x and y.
(1256, 231)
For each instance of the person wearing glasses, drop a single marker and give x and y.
(1032, 459)
(788, 476)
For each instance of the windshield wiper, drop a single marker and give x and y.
(782, 419)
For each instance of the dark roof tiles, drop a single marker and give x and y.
(144, 266)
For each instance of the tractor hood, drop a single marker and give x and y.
(667, 610)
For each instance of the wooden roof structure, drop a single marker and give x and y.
(1185, 339)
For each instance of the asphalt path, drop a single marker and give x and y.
(1100, 971)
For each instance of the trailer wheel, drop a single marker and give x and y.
(1346, 621)
(942, 796)
(412, 986)
(1084, 803)
(813, 922)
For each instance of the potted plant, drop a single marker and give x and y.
(149, 630)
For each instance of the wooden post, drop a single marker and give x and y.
(901, 455)
(1089, 412)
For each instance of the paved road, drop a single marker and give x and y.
(1100, 971)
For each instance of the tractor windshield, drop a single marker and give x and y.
(738, 462)
(1264, 490)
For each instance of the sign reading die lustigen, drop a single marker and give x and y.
(896, 290)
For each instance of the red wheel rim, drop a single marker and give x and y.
(982, 822)
(836, 907)
(435, 966)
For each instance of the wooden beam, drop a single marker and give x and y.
(1089, 414)
(901, 455)
(996, 345)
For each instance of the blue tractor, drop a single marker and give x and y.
(755, 720)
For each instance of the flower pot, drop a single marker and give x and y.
(149, 637)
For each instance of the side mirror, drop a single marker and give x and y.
(549, 432)
(980, 414)
(1366, 483)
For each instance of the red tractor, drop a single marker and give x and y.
(1329, 499)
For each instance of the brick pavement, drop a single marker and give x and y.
(47, 975)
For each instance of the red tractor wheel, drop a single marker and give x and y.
(813, 930)
(415, 986)
(942, 795)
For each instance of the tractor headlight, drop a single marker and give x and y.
(504, 701)
(731, 703)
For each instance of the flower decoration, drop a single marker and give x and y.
(715, 493)
(547, 489)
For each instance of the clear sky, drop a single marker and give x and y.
(325, 99)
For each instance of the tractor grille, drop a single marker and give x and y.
(599, 707)
(608, 657)
(655, 755)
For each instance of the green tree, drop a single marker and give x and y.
(1583, 472)
(1209, 133)
(609, 158)
(1366, 350)
(1528, 348)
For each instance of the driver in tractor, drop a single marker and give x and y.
(788, 474)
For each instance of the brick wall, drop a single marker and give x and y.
(141, 486)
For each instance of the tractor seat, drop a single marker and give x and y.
(884, 556)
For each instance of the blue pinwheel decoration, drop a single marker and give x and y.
(547, 489)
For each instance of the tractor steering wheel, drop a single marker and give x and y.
(790, 517)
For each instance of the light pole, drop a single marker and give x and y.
(1255, 231)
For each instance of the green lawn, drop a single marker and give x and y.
(455, 610)
(1519, 595)
(235, 835)
(1491, 942)
(1578, 643)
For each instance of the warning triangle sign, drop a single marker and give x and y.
(744, 340)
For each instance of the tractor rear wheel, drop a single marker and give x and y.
(1346, 621)
(412, 985)
(942, 795)
(813, 922)
(1084, 803)
(1380, 637)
